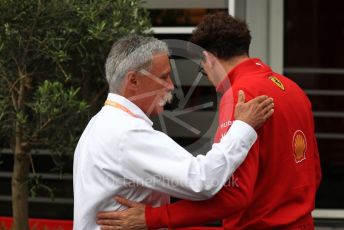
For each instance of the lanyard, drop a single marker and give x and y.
(121, 107)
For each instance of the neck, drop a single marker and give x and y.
(131, 96)
(138, 99)
(231, 63)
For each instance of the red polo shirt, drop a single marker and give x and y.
(275, 187)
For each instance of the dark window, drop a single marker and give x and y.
(314, 35)
(179, 17)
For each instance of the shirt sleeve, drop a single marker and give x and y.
(152, 159)
(232, 199)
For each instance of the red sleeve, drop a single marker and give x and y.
(231, 199)
(156, 217)
(318, 174)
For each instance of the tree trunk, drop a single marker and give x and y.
(19, 184)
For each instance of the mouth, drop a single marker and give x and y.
(167, 98)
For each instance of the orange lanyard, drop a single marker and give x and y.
(121, 107)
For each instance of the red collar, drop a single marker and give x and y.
(242, 69)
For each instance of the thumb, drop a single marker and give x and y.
(241, 96)
(125, 202)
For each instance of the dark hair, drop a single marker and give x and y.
(222, 35)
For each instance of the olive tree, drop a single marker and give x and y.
(52, 54)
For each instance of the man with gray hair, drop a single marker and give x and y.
(119, 153)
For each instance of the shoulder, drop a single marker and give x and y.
(231, 95)
(111, 126)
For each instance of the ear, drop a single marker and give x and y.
(131, 81)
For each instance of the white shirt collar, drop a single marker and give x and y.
(129, 105)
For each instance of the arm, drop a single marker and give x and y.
(155, 161)
(318, 174)
(232, 199)
(173, 170)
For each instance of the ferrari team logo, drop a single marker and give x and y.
(277, 82)
(299, 146)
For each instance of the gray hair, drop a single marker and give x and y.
(130, 53)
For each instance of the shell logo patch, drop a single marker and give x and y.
(277, 82)
(299, 146)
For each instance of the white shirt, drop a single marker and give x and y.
(120, 154)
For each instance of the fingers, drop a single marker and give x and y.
(266, 105)
(259, 99)
(109, 215)
(268, 108)
(105, 227)
(269, 114)
(126, 202)
(109, 222)
(241, 96)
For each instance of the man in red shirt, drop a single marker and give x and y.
(276, 185)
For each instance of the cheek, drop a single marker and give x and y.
(152, 90)
(145, 87)
(149, 84)
(156, 85)
(156, 89)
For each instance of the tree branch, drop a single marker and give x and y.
(62, 70)
(14, 103)
(15, 82)
(35, 134)
(21, 93)
(32, 164)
